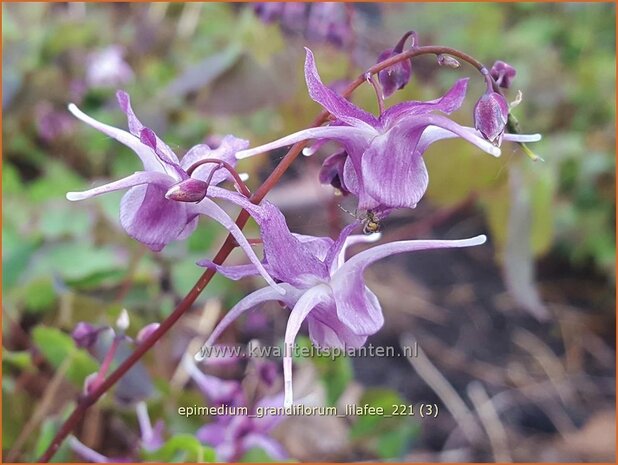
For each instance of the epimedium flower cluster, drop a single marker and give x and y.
(380, 163)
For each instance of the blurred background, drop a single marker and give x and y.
(516, 338)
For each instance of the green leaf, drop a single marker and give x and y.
(182, 448)
(49, 428)
(257, 455)
(61, 219)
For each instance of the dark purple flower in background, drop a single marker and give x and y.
(158, 208)
(321, 286)
(329, 22)
(491, 114)
(503, 73)
(52, 124)
(384, 166)
(395, 77)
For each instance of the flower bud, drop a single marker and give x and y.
(84, 335)
(189, 190)
(394, 77)
(491, 114)
(448, 61)
(146, 331)
(91, 383)
(122, 323)
(503, 73)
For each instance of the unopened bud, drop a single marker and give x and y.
(146, 331)
(122, 323)
(84, 335)
(448, 61)
(91, 383)
(491, 114)
(503, 74)
(189, 190)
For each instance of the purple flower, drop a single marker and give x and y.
(503, 73)
(384, 165)
(330, 22)
(321, 287)
(157, 210)
(107, 68)
(491, 114)
(269, 12)
(395, 77)
(234, 435)
(52, 124)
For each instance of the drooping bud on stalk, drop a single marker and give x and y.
(396, 77)
(189, 190)
(448, 61)
(122, 323)
(491, 114)
(503, 74)
(90, 383)
(146, 331)
(84, 335)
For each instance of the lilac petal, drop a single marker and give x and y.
(267, 444)
(448, 103)
(336, 246)
(212, 434)
(289, 260)
(226, 152)
(350, 136)
(309, 300)
(136, 127)
(188, 229)
(351, 240)
(170, 162)
(234, 273)
(135, 179)
(268, 422)
(334, 103)
(443, 122)
(251, 301)
(356, 305)
(393, 171)
(217, 390)
(433, 134)
(209, 208)
(149, 159)
(147, 216)
(327, 331)
(319, 246)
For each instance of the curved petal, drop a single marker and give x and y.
(251, 301)
(351, 240)
(209, 208)
(334, 103)
(393, 171)
(267, 444)
(212, 434)
(147, 216)
(188, 229)
(234, 273)
(136, 127)
(170, 162)
(448, 103)
(226, 152)
(319, 246)
(327, 331)
(357, 307)
(350, 136)
(309, 300)
(217, 390)
(135, 179)
(442, 122)
(289, 260)
(149, 159)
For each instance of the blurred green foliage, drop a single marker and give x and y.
(212, 69)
